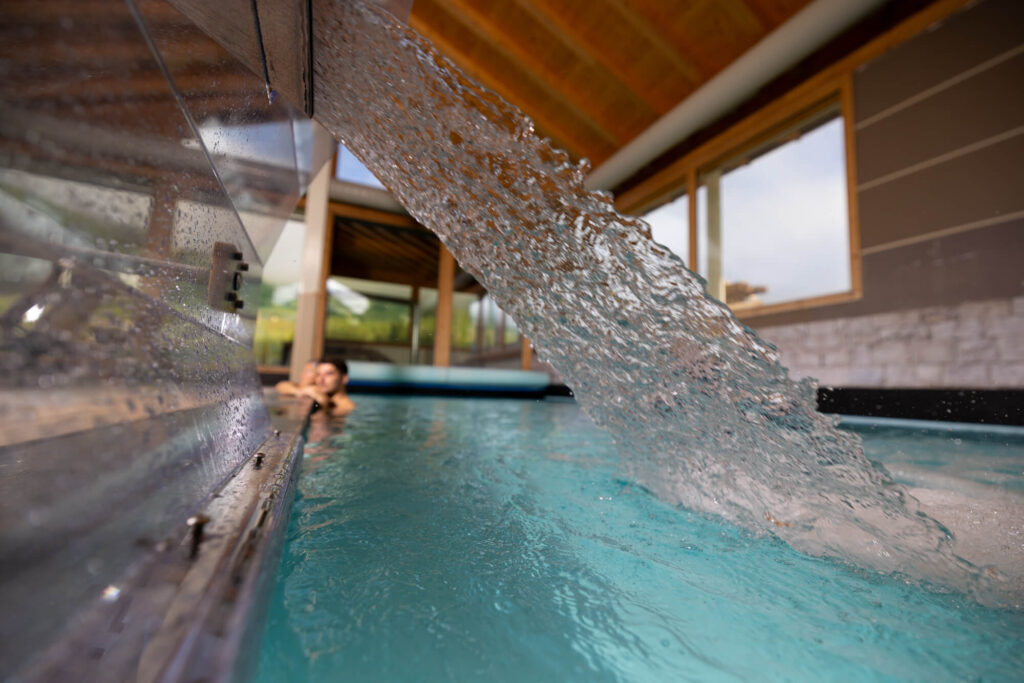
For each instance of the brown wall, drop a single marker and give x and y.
(939, 126)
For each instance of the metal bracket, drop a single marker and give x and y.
(227, 275)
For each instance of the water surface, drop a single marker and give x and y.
(454, 540)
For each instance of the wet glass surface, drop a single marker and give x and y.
(128, 390)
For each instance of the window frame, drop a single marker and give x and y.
(790, 110)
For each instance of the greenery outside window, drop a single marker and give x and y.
(279, 295)
(368, 312)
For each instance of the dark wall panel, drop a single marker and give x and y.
(980, 107)
(962, 41)
(982, 185)
(976, 265)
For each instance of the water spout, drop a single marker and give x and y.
(703, 412)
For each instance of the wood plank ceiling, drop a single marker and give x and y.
(593, 74)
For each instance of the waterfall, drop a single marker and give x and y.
(702, 411)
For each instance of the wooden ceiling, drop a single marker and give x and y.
(593, 74)
(386, 247)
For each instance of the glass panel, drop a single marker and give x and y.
(464, 320)
(352, 170)
(511, 331)
(782, 220)
(279, 295)
(485, 313)
(670, 226)
(250, 140)
(356, 316)
(127, 392)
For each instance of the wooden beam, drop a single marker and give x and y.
(445, 292)
(853, 214)
(316, 254)
(684, 63)
(552, 79)
(823, 85)
(361, 271)
(656, 96)
(526, 355)
(563, 137)
(539, 75)
(362, 213)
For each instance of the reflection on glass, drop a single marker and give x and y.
(128, 390)
(511, 335)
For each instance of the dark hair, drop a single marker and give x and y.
(336, 362)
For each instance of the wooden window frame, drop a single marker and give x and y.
(836, 78)
(750, 133)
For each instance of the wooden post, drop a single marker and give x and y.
(414, 326)
(316, 258)
(481, 313)
(691, 182)
(526, 355)
(716, 283)
(445, 292)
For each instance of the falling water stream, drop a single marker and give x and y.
(700, 408)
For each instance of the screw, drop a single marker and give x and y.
(197, 522)
(237, 256)
(243, 266)
(239, 304)
(231, 296)
(259, 460)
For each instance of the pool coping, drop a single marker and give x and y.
(931, 425)
(194, 608)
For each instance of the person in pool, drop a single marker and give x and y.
(306, 379)
(329, 388)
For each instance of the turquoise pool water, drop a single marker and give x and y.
(455, 540)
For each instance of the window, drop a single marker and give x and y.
(773, 221)
(368, 312)
(495, 330)
(464, 322)
(670, 227)
(774, 229)
(279, 295)
(352, 170)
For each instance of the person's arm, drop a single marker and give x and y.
(286, 388)
(314, 394)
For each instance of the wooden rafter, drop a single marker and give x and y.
(556, 93)
(570, 34)
(557, 78)
(681, 58)
(562, 135)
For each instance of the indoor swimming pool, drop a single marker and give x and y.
(452, 539)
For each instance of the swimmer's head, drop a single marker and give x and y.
(331, 377)
(308, 376)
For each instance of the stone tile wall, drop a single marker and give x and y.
(975, 345)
